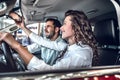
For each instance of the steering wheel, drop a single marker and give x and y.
(11, 63)
(8, 56)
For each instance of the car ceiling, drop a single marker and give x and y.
(37, 10)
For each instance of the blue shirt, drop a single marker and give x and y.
(49, 49)
(75, 57)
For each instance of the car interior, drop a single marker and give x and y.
(104, 17)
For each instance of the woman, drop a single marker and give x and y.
(79, 53)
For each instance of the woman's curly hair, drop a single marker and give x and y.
(83, 31)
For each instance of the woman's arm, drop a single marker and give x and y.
(23, 52)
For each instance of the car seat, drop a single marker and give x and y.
(107, 36)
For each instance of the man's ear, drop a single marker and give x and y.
(57, 29)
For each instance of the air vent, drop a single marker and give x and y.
(28, 1)
(93, 11)
(44, 3)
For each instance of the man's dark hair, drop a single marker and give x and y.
(56, 22)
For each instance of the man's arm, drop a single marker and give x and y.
(24, 28)
(33, 47)
(19, 22)
(56, 45)
(39, 40)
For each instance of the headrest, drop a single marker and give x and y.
(106, 32)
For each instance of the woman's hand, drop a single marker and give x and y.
(8, 38)
(23, 52)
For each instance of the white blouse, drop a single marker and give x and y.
(75, 57)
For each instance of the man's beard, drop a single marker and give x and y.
(50, 35)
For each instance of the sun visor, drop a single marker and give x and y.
(6, 6)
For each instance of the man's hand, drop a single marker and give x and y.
(19, 22)
(18, 19)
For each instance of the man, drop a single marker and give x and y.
(52, 33)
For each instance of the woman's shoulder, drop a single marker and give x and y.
(79, 46)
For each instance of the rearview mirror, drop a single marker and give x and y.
(15, 16)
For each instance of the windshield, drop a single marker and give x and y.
(4, 22)
(5, 7)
